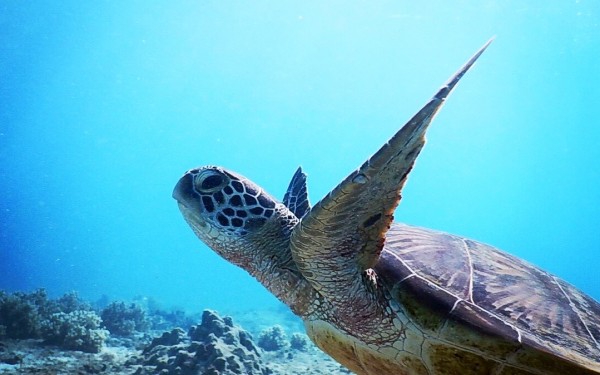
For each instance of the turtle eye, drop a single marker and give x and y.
(209, 181)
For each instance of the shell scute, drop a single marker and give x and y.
(478, 298)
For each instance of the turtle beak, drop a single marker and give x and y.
(185, 195)
(183, 188)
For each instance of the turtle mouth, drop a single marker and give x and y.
(200, 227)
(187, 198)
(189, 207)
(190, 216)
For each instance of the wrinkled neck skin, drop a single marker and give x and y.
(269, 259)
(266, 255)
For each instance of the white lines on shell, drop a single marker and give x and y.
(412, 272)
(513, 327)
(470, 292)
(459, 300)
(406, 278)
(454, 306)
(443, 328)
(576, 310)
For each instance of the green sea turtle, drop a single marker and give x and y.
(387, 298)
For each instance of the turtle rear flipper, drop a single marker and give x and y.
(343, 234)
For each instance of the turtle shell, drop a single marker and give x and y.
(477, 299)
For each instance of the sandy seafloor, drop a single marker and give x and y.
(124, 355)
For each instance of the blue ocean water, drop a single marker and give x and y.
(103, 105)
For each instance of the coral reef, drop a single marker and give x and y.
(22, 315)
(39, 335)
(19, 314)
(273, 339)
(67, 321)
(299, 341)
(122, 319)
(215, 347)
(67, 303)
(76, 330)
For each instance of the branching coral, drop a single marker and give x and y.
(19, 315)
(299, 341)
(124, 320)
(77, 330)
(273, 339)
(66, 321)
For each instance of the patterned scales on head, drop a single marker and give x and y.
(388, 298)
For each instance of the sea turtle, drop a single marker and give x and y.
(388, 298)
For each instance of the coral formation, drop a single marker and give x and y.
(67, 303)
(273, 339)
(122, 319)
(215, 347)
(19, 314)
(76, 330)
(67, 321)
(299, 341)
(81, 346)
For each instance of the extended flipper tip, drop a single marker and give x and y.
(445, 90)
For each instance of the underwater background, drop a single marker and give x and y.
(105, 104)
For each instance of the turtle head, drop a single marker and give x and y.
(228, 212)
(248, 227)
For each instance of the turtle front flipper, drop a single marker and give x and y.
(296, 196)
(343, 234)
